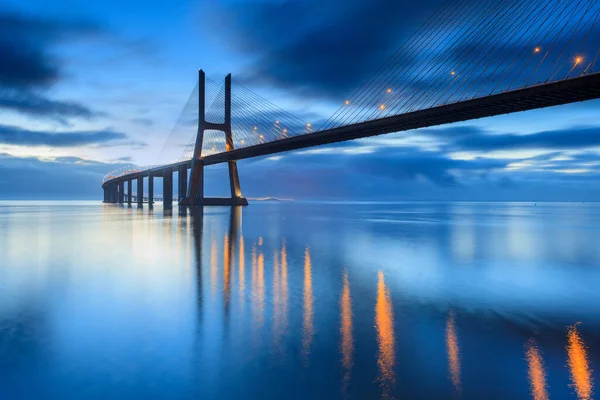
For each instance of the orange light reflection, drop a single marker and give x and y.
(346, 339)
(307, 325)
(581, 374)
(384, 322)
(453, 350)
(537, 374)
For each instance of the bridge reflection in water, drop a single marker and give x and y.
(195, 304)
(282, 307)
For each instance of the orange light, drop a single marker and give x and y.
(536, 50)
(261, 136)
(578, 362)
(452, 73)
(242, 141)
(347, 102)
(381, 107)
(284, 130)
(389, 90)
(578, 60)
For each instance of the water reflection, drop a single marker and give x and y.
(242, 274)
(581, 374)
(384, 322)
(346, 339)
(226, 269)
(280, 296)
(196, 341)
(307, 324)
(284, 288)
(260, 287)
(276, 301)
(213, 262)
(453, 351)
(536, 372)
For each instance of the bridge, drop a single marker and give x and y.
(467, 61)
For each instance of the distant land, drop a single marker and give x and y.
(268, 199)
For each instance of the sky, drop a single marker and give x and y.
(89, 87)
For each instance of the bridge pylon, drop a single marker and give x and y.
(195, 189)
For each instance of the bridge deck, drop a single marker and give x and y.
(572, 90)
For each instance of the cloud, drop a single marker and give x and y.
(312, 46)
(326, 51)
(472, 138)
(380, 173)
(391, 168)
(58, 178)
(573, 138)
(143, 121)
(25, 44)
(33, 104)
(29, 66)
(12, 135)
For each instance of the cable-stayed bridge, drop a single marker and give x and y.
(470, 59)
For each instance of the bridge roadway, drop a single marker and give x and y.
(562, 92)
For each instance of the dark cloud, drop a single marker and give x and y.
(29, 65)
(347, 172)
(36, 105)
(59, 178)
(328, 50)
(572, 138)
(409, 173)
(314, 45)
(25, 44)
(22, 137)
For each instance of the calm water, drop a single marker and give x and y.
(300, 300)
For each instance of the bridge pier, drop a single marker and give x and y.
(195, 188)
(168, 188)
(129, 191)
(140, 191)
(113, 193)
(150, 189)
(121, 192)
(182, 184)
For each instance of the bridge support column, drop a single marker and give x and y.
(121, 192)
(168, 188)
(195, 191)
(113, 193)
(105, 196)
(183, 183)
(129, 191)
(150, 189)
(140, 191)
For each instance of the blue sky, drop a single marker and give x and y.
(87, 87)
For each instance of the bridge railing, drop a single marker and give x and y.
(117, 173)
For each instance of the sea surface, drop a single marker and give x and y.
(293, 300)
